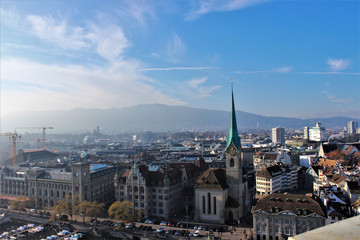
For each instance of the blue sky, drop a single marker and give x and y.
(286, 58)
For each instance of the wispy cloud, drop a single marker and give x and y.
(331, 73)
(104, 37)
(207, 6)
(338, 64)
(177, 68)
(334, 99)
(200, 90)
(194, 83)
(26, 85)
(136, 11)
(57, 31)
(175, 48)
(284, 69)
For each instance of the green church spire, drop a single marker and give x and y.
(233, 132)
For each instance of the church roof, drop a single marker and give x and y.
(233, 131)
(213, 179)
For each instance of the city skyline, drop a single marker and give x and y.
(286, 58)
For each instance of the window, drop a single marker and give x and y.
(209, 203)
(203, 204)
(214, 205)
(232, 162)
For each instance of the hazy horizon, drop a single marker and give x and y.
(286, 58)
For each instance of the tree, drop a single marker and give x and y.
(88, 209)
(122, 211)
(18, 203)
(59, 209)
(95, 209)
(82, 208)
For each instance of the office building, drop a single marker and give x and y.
(278, 135)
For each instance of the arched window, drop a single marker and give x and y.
(232, 163)
(214, 205)
(203, 204)
(209, 203)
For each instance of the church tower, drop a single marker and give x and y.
(234, 178)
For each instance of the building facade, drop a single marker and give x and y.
(352, 127)
(317, 133)
(278, 216)
(159, 193)
(268, 159)
(276, 179)
(278, 135)
(90, 182)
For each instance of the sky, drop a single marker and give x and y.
(285, 58)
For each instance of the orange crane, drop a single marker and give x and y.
(12, 138)
(43, 133)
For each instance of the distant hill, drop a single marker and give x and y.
(154, 117)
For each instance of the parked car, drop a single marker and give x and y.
(160, 230)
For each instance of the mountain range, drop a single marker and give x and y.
(155, 117)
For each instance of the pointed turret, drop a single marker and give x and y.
(233, 132)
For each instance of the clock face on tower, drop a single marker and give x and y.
(232, 150)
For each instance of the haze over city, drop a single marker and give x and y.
(286, 58)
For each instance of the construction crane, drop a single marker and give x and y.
(43, 133)
(12, 139)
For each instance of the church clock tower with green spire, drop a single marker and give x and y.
(234, 171)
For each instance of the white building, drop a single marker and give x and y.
(270, 158)
(306, 133)
(276, 179)
(317, 133)
(278, 135)
(307, 160)
(352, 127)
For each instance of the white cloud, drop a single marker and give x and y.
(334, 99)
(109, 40)
(177, 68)
(338, 64)
(284, 69)
(34, 86)
(207, 6)
(140, 11)
(57, 31)
(201, 91)
(194, 83)
(175, 48)
(104, 37)
(330, 73)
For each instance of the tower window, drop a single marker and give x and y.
(232, 162)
